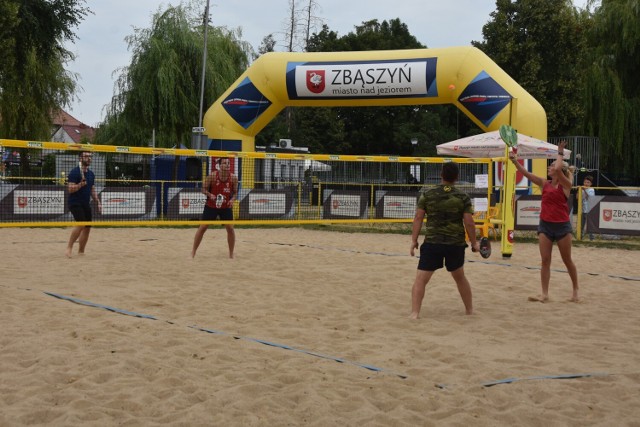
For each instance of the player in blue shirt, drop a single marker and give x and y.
(81, 191)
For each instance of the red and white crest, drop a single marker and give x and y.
(521, 181)
(607, 214)
(315, 81)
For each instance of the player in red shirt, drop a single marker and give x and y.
(555, 225)
(221, 189)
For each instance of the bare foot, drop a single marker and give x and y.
(67, 253)
(414, 316)
(574, 299)
(193, 254)
(539, 298)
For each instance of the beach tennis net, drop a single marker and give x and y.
(150, 186)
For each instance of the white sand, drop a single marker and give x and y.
(343, 295)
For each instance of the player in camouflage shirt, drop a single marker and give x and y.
(449, 213)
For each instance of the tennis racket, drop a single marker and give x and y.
(510, 137)
(485, 247)
(81, 171)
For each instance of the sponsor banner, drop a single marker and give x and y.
(346, 205)
(618, 215)
(527, 215)
(245, 103)
(185, 203)
(267, 204)
(123, 203)
(362, 79)
(119, 203)
(38, 202)
(49, 203)
(191, 203)
(397, 205)
(484, 98)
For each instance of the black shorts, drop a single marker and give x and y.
(434, 255)
(555, 230)
(81, 212)
(212, 214)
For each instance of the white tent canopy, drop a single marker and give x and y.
(490, 144)
(316, 166)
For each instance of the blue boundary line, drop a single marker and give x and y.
(307, 352)
(298, 350)
(545, 377)
(106, 307)
(216, 332)
(613, 276)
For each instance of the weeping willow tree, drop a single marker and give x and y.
(160, 90)
(612, 91)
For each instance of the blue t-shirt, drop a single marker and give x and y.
(83, 195)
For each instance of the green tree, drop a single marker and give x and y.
(160, 89)
(33, 80)
(268, 45)
(8, 24)
(321, 129)
(612, 92)
(542, 45)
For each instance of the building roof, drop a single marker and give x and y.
(75, 130)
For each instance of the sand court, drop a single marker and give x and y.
(307, 328)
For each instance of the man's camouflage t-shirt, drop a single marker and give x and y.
(445, 206)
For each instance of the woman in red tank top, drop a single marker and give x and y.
(555, 224)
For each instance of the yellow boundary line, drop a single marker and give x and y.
(198, 222)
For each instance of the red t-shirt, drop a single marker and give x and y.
(554, 206)
(222, 192)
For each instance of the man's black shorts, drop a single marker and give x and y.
(212, 214)
(81, 212)
(434, 255)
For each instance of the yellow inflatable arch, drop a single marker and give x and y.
(463, 76)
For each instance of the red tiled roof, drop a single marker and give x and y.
(78, 132)
(72, 126)
(61, 117)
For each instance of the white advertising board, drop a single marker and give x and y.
(123, 203)
(36, 202)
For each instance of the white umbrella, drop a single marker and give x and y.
(490, 144)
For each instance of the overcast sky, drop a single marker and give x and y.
(101, 49)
